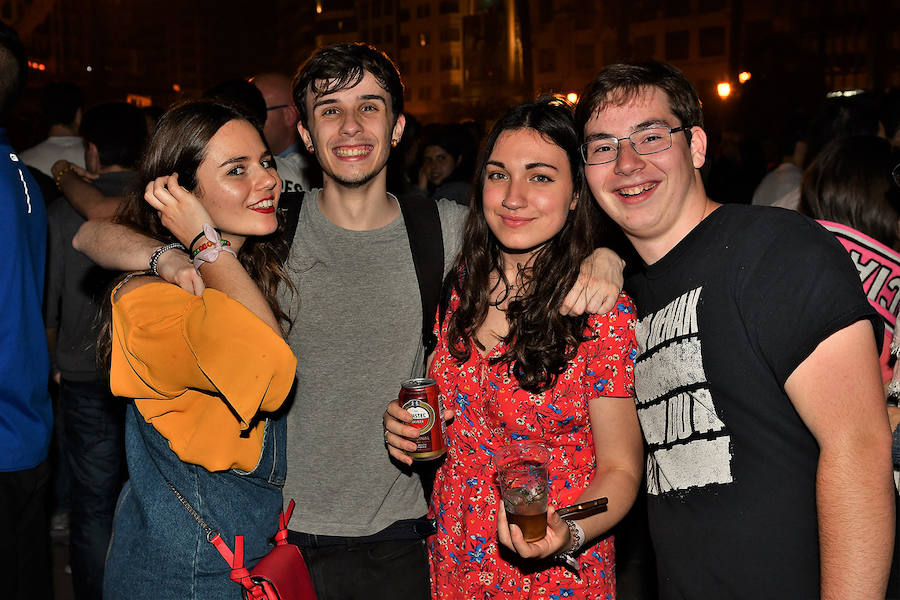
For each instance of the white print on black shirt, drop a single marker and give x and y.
(688, 443)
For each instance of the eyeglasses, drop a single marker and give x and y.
(651, 140)
(276, 107)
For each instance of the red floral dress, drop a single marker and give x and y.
(491, 410)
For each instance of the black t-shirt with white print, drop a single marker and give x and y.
(725, 318)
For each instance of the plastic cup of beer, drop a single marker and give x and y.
(522, 474)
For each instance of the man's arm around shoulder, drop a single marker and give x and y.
(837, 392)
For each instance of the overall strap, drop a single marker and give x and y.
(426, 242)
(235, 559)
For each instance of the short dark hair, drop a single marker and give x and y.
(850, 182)
(13, 70)
(242, 94)
(619, 83)
(119, 131)
(60, 102)
(342, 66)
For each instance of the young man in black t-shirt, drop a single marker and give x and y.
(759, 394)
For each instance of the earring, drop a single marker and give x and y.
(394, 143)
(310, 148)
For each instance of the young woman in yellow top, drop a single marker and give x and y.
(206, 373)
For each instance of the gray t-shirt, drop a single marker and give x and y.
(357, 334)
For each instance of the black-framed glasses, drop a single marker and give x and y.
(650, 140)
(276, 107)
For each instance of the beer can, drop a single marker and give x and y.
(421, 398)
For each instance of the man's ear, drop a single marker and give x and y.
(698, 146)
(305, 136)
(397, 132)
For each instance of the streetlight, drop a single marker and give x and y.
(723, 89)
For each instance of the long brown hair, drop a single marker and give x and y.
(850, 182)
(179, 145)
(540, 340)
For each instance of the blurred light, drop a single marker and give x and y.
(723, 89)
(319, 7)
(138, 100)
(422, 40)
(176, 87)
(744, 76)
(572, 97)
(89, 68)
(37, 66)
(844, 93)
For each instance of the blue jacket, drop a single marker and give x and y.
(26, 416)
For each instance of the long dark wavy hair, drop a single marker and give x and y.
(178, 145)
(850, 182)
(540, 340)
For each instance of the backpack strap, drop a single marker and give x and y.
(426, 242)
(289, 206)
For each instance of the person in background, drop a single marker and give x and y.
(27, 414)
(849, 189)
(114, 135)
(441, 173)
(62, 106)
(280, 130)
(780, 186)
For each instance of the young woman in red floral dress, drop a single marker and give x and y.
(513, 368)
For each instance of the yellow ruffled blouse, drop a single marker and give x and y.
(200, 369)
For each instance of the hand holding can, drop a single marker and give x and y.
(420, 398)
(402, 429)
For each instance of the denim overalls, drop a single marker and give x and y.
(158, 551)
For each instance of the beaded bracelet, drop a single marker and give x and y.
(209, 252)
(577, 535)
(208, 244)
(59, 175)
(154, 258)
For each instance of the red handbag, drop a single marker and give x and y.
(279, 575)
